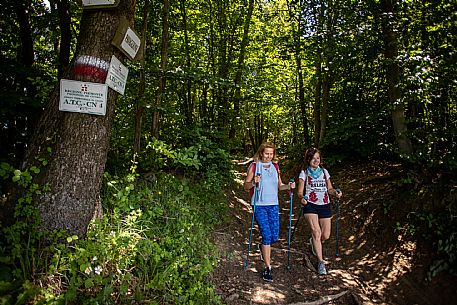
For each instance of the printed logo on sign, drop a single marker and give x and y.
(117, 75)
(83, 97)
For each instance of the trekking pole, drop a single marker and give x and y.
(337, 220)
(256, 197)
(298, 220)
(290, 224)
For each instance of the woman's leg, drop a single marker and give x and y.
(266, 252)
(273, 224)
(316, 233)
(261, 216)
(326, 228)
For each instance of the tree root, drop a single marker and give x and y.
(309, 264)
(323, 300)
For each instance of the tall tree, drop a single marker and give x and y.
(142, 88)
(163, 67)
(240, 68)
(317, 100)
(393, 78)
(295, 16)
(78, 142)
(25, 52)
(329, 48)
(188, 107)
(63, 9)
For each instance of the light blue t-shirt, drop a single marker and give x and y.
(269, 181)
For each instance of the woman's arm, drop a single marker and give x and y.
(331, 191)
(248, 183)
(283, 187)
(301, 189)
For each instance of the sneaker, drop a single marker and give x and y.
(260, 251)
(266, 275)
(312, 246)
(321, 268)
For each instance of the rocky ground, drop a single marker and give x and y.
(374, 263)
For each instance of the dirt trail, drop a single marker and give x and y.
(373, 265)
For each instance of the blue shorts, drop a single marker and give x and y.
(322, 210)
(267, 218)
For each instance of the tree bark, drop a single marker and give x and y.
(78, 142)
(187, 89)
(239, 71)
(300, 86)
(317, 102)
(326, 84)
(141, 92)
(163, 67)
(393, 79)
(224, 61)
(63, 9)
(25, 53)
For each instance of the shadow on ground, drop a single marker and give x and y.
(373, 263)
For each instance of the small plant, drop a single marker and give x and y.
(152, 246)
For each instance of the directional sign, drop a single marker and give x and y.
(93, 4)
(117, 75)
(127, 40)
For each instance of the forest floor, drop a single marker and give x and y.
(375, 264)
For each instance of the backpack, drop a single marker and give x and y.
(253, 168)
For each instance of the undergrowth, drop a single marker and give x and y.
(150, 247)
(433, 218)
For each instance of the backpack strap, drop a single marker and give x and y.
(276, 165)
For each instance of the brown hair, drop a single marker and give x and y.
(309, 155)
(262, 147)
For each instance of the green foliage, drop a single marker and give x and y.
(151, 246)
(439, 227)
(21, 242)
(197, 156)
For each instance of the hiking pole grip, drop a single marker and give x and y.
(291, 190)
(257, 183)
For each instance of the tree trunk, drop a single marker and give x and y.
(63, 9)
(141, 92)
(239, 71)
(393, 80)
(25, 53)
(78, 142)
(222, 100)
(187, 90)
(300, 86)
(325, 101)
(163, 67)
(317, 102)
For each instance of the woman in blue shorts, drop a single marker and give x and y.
(314, 187)
(265, 173)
